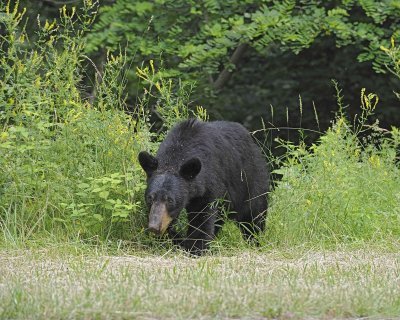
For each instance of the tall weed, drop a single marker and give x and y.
(344, 188)
(69, 166)
(69, 163)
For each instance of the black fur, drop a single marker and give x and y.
(199, 162)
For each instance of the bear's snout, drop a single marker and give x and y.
(159, 219)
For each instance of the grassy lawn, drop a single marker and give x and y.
(292, 284)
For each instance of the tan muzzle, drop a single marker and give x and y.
(159, 219)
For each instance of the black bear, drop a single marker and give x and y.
(198, 163)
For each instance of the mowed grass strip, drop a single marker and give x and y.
(328, 285)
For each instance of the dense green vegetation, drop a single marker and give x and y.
(69, 163)
(245, 56)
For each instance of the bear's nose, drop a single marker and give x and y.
(154, 229)
(159, 219)
(155, 218)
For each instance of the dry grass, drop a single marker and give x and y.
(251, 285)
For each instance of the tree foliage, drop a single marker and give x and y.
(199, 40)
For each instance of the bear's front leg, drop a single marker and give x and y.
(201, 231)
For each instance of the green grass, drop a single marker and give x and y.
(339, 190)
(284, 284)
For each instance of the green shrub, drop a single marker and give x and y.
(342, 189)
(69, 166)
(69, 163)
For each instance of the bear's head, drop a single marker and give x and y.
(167, 192)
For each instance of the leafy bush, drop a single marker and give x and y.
(345, 188)
(68, 165)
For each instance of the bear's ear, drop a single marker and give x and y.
(148, 162)
(190, 169)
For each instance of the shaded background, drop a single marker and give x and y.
(270, 78)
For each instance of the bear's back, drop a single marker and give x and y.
(232, 164)
(217, 143)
